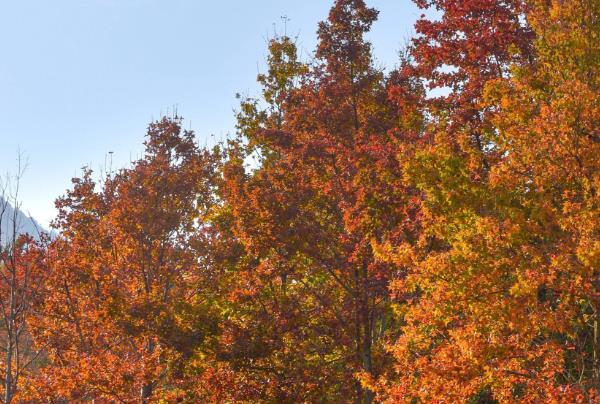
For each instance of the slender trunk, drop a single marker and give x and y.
(357, 331)
(8, 369)
(367, 360)
(10, 345)
(595, 351)
(367, 357)
(364, 335)
(146, 390)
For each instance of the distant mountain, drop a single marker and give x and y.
(25, 223)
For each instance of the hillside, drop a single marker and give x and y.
(25, 223)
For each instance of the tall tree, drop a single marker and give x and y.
(329, 186)
(21, 286)
(471, 43)
(504, 290)
(125, 274)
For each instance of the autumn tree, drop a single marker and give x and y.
(456, 54)
(125, 274)
(425, 235)
(328, 187)
(547, 129)
(503, 292)
(21, 286)
(279, 326)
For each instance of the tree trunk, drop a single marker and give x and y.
(146, 390)
(8, 394)
(367, 359)
(10, 343)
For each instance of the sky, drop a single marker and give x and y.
(82, 78)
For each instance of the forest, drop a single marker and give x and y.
(361, 238)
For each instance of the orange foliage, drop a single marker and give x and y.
(359, 240)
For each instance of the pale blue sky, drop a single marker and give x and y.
(80, 78)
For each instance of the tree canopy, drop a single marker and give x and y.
(429, 233)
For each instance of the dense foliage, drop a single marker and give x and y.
(428, 234)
